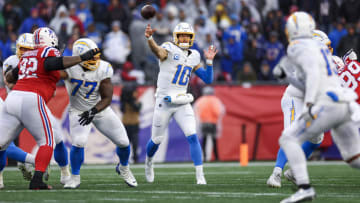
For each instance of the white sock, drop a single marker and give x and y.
(199, 170)
(65, 170)
(30, 159)
(277, 170)
(149, 158)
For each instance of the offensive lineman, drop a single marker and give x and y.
(324, 98)
(90, 91)
(25, 42)
(291, 106)
(25, 105)
(177, 61)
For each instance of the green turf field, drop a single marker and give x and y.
(227, 182)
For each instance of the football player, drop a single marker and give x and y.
(177, 61)
(324, 97)
(90, 91)
(291, 106)
(24, 43)
(350, 73)
(25, 106)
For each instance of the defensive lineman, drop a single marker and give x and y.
(90, 91)
(177, 61)
(324, 98)
(24, 43)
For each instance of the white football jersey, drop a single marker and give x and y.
(175, 71)
(83, 86)
(314, 68)
(10, 62)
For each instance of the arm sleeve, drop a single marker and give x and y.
(206, 75)
(54, 63)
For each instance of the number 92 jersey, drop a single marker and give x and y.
(350, 77)
(175, 71)
(83, 85)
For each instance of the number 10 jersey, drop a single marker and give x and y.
(175, 70)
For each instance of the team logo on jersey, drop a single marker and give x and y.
(176, 57)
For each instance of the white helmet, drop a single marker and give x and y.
(349, 56)
(44, 36)
(299, 24)
(323, 38)
(183, 28)
(25, 40)
(83, 45)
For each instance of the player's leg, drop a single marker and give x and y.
(35, 117)
(109, 124)
(79, 136)
(60, 151)
(161, 118)
(302, 129)
(26, 161)
(214, 139)
(185, 117)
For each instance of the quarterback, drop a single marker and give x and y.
(177, 61)
(90, 91)
(323, 97)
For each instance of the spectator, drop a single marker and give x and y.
(220, 18)
(130, 108)
(76, 19)
(209, 111)
(10, 14)
(117, 11)
(195, 8)
(47, 10)
(172, 17)
(125, 73)
(94, 35)
(10, 45)
(116, 45)
(350, 10)
(62, 19)
(163, 32)
(335, 36)
(84, 14)
(33, 20)
(247, 74)
(273, 50)
(265, 73)
(349, 41)
(253, 54)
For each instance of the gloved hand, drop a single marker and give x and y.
(278, 72)
(89, 54)
(167, 99)
(87, 116)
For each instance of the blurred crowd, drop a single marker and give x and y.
(248, 33)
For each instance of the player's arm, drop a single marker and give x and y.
(160, 52)
(63, 62)
(106, 92)
(207, 75)
(63, 75)
(11, 76)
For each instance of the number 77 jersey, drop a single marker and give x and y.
(83, 85)
(350, 77)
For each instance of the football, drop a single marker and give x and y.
(148, 11)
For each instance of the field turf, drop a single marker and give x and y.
(227, 182)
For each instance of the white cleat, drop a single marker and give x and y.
(274, 180)
(149, 170)
(290, 176)
(301, 195)
(26, 170)
(65, 175)
(73, 183)
(1, 180)
(200, 180)
(126, 174)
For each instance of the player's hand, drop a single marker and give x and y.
(210, 52)
(89, 54)
(87, 116)
(149, 31)
(167, 99)
(279, 72)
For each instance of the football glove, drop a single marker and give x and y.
(87, 116)
(89, 54)
(179, 99)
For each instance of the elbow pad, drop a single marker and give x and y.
(180, 99)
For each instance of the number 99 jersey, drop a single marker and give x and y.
(83, 85)
(350, 77)
(175, 71)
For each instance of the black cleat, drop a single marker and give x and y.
(39, 185)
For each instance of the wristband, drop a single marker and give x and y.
(209, 62)
(149, 38)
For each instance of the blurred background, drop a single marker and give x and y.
(248, 33)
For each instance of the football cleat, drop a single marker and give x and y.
(73, 183)
(290, 176)
(39, 185)
(65, 175)
(274, 180)
(149, 170)
(1, 180)
(301, 195)
(47, 173)
(200, 180)
(126, 174)
(26, 170)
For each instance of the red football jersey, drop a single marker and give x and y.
(32, 75)
(350, 76)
